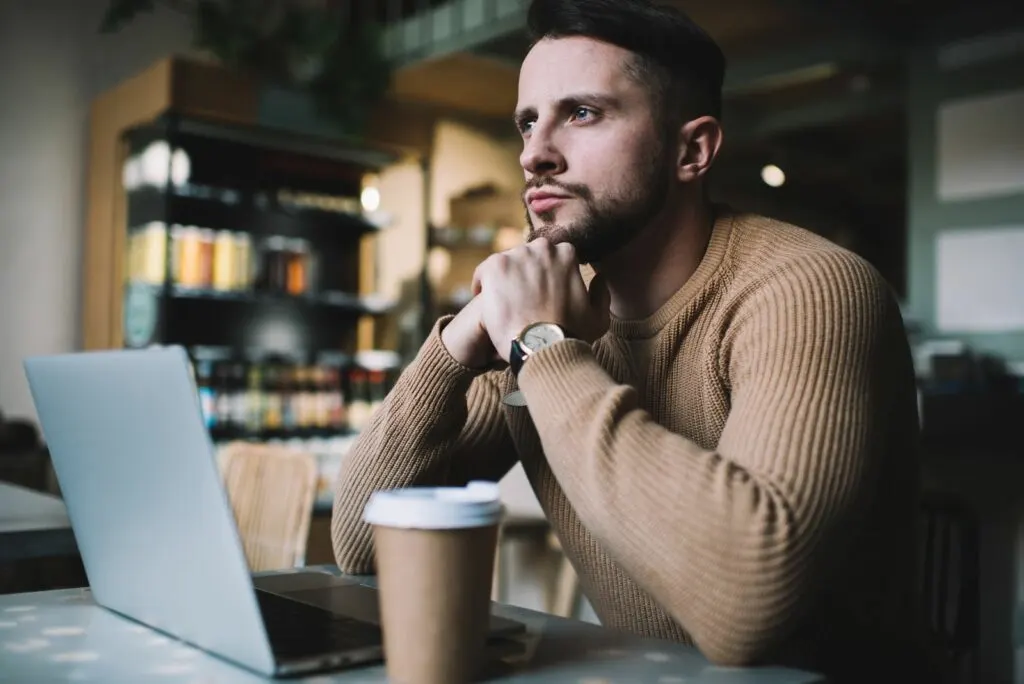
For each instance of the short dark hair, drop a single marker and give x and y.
(676, 58)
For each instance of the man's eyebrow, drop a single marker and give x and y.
(525, 113)
(599, 99)
(573, 100)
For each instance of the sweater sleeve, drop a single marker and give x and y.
(734, 542)
(441, 424)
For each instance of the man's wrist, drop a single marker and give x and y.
(465, 355)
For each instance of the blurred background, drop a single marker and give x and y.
(295, 191)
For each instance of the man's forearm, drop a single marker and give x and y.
(439, 425)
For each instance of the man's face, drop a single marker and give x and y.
(597, 168)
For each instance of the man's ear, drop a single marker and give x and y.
(699, 142)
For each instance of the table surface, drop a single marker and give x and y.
(63, 635)
(33, 524)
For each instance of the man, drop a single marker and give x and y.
(722, 426)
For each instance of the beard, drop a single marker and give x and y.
(608, 223)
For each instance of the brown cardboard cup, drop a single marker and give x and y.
(435, 552)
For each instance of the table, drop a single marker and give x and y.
(63, 635)
(33, 525)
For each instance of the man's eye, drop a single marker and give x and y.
(582, 114)
(525, 126)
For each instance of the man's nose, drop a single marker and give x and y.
(541, 156)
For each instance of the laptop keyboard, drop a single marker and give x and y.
(299, 630)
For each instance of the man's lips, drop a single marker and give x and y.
(541, 201)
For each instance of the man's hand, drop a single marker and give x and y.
(538, 282)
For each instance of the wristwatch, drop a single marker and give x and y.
(531, 340)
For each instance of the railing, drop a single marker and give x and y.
(421, 29)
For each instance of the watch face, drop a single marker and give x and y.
(542, 335)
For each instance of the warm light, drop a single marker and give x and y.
(507, 238)
(773, 176)
(370, 199)
(439, 264)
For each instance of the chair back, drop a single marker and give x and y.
(949, 584)
(271, 490)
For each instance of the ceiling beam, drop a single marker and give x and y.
(456, 26)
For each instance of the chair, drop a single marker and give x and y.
(949, 583)
(568, 592)
(526, 521)
(271, 490)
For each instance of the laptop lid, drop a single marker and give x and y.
(137, 470)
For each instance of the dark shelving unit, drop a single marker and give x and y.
(238, 180)
(245, 247)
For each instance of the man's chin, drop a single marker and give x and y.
(555, 237)
(555, 233)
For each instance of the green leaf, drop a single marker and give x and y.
(121, 12)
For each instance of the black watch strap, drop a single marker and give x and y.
(516, 357)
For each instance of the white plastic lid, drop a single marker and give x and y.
(478, 504)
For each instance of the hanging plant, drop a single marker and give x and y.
(306, 45)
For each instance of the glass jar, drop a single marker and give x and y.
(224, 257)
(298, 262)
(274, 265)
(206, 242)
(153, 257)
(243, 261)
(188, 252)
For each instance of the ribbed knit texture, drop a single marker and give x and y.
(757, 500)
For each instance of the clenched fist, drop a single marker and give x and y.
(538, 282)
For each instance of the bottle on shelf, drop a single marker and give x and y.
(147, 254)
(273, 272)
(359, 404)
(207, 396)
(243, 264)
(224, 278)
(223, 396)
(376, 390)
(276, 398)
(296, 281)
(254, 399)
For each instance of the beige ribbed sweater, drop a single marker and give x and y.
(758, 498)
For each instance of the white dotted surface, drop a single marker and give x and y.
(63, 631)
(26, 645)
(76, 657)
(172, 669)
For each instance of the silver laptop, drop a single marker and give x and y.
(157, 536)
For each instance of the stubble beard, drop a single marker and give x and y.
(608, 223)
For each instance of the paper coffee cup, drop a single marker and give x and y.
(435, 550)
